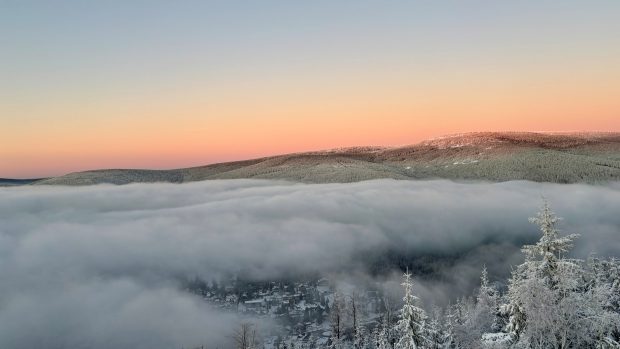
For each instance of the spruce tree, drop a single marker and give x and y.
(412, 324)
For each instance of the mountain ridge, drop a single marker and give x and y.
(561, 157)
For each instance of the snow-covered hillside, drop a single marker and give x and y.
(493, 156)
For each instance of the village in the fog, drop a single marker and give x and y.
(300, 310)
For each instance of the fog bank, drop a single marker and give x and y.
(95, 267)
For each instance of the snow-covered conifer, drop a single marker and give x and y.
(412, 326)
(552, 302)
(550, 248)
(487, 305)
(383, 335)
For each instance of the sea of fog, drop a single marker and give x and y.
(98, 266)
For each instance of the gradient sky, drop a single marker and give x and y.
(163, 84)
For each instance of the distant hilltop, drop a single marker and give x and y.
(492, 156)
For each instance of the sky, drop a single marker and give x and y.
(165, 84)
(104, 273)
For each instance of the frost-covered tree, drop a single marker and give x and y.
(450, 323)
(355, 317)
(546, 257)
(603, 289)
(373, 338)
(541, 284)
(552, 301)
(383, 338)
(337, 313)
(471, 318)
(412, 326)
(605, 276)
(360, 338)
(245, 336)
(466, 333)
(440, 334)
(549, 303)
(487, 306)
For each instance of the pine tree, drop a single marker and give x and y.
(412, 324)
(487, 305)
(360, 338)
(513, 309)
(552, 302)
(383, 339)
(439, 336)
(545, 255)
(544, 271)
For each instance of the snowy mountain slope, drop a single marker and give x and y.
(493, 156)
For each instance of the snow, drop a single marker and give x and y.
(495, 339)
(465, 162)
(255, 301)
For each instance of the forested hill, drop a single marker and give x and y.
(6, 182)
(492, 156)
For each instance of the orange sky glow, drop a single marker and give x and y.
(143, 109)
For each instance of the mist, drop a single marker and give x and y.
(98, 266)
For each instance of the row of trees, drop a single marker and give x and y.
(552, 301)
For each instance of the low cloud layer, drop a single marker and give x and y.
(95, 267)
